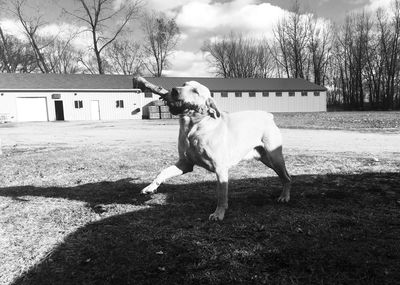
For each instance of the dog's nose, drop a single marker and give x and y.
(174, 92)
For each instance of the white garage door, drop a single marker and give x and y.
(31, 109)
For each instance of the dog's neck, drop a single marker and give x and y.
(195, 116)
(190, 119)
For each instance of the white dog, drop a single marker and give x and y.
(216, 141)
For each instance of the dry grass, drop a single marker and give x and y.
(73, 215)
(356, 121)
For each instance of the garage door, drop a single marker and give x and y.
(31, 109)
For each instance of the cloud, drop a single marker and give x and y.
(374, 5)
(187, 63)
(13, 27)
(239, 15)
(81, 38)
(167, 6)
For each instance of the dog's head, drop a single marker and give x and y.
(192, 97)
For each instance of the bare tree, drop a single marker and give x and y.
(292, 35)
(320, 47)
(99, 16)
(237, 56)
(31, 25)
(15, 56)
(161, 35)
(389, 39)
(63, 57)
(125, 57)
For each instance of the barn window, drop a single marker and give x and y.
(252, 94)
(291, 94)
(303, 93)
(119, 103)
(238, 94)
(148, 95)
(224, 94)
(78, 104)
(265, 94)
(278, 94)
(316, 93)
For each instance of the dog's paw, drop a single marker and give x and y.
(152, 188)
(218, 215)
(284, 198)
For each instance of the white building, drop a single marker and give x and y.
(269, 94)
(51, 97)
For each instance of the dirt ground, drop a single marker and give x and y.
(119, 133)
(71, 212)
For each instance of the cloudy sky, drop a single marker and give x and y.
(198, 20)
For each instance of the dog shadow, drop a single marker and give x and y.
(260, 241)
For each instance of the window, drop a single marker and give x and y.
(303, 93)
(119, 103)
(148, 95)
(78, 104)
(224, 94)
(292, 94)
(252, 94)
(278, 94)
(238, 94)
(212, 94)
(265, 94)
(316, 93)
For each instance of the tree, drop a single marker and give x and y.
(161, 35)
(63, 57)
(320, 47)
(237, 56)
(15, 56)
(31, 25)
(99, 16)
(125, 57)
(292, 35)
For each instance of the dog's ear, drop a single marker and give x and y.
(214, 112)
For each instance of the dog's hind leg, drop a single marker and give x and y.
(181, 167)
(274, 159)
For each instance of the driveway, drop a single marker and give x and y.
(147, 133)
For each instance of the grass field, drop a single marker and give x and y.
(71, 212)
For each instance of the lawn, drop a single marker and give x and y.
(71, 212)
(355, 121)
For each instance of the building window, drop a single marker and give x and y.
(148, 95)
(316, 93)
(252, 94)
(278, 94)
(292, 94)
(78, 104)
(224, 94)
(238, 94)
(119, 103)
(303, 93)
(265, 94)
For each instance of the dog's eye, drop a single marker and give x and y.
(195, 90)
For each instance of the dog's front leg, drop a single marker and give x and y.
(181, 167)
(222, 195)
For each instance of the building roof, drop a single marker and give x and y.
(240, 84)
(35, 81)
(51, 81)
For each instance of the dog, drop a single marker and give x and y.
(218, 140)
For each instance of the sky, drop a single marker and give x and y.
(198, 20)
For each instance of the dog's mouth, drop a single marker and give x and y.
(179, 107)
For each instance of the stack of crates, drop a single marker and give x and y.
(158, 110)
(164, 112)
(154, 113)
